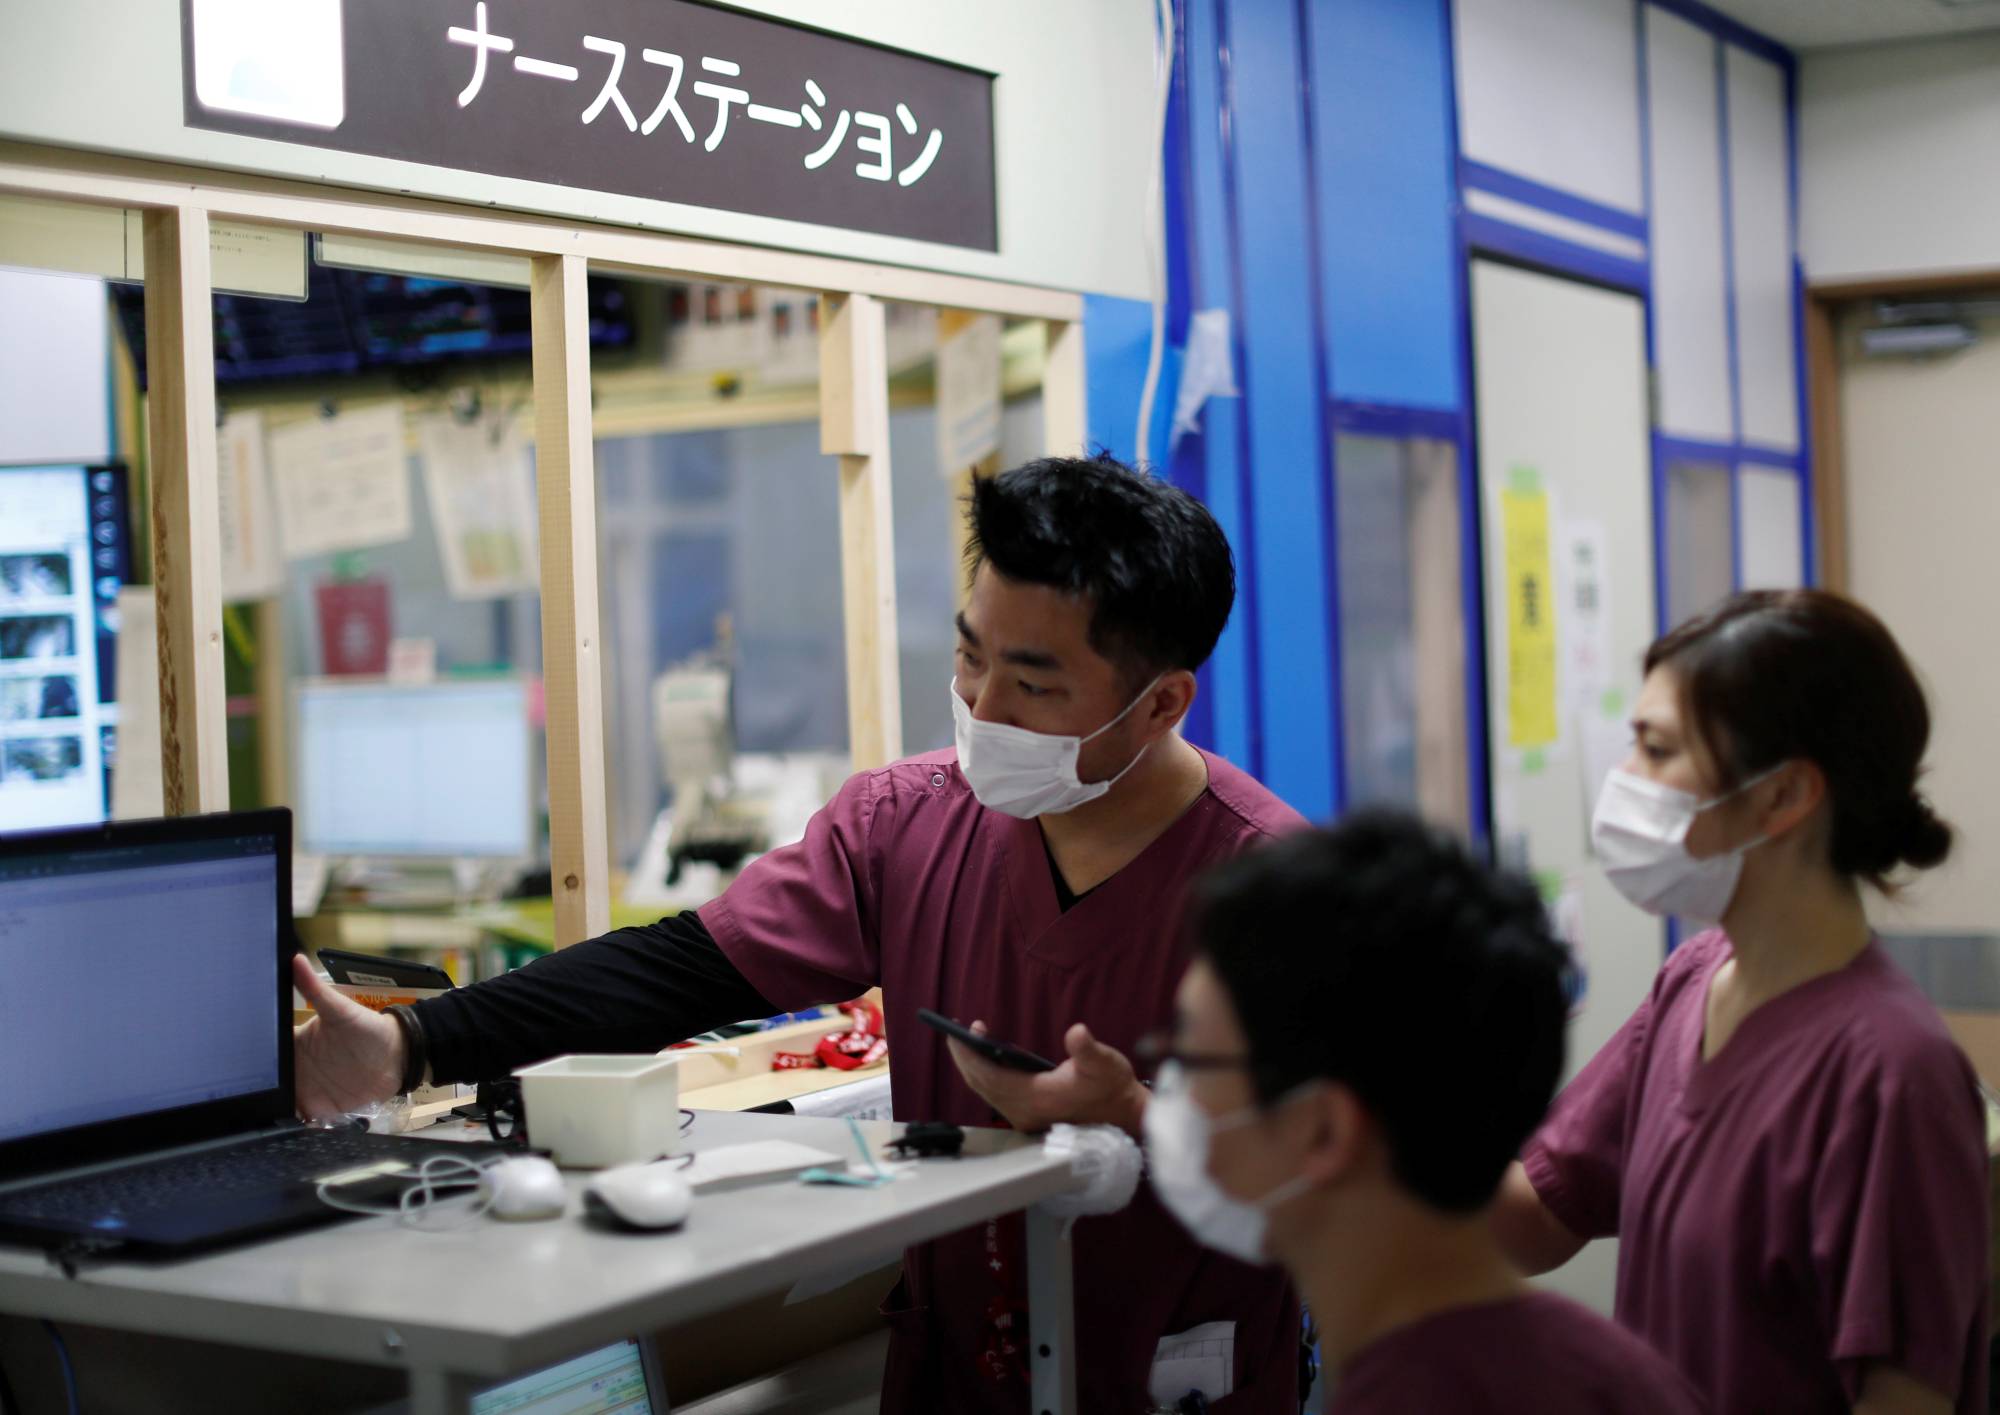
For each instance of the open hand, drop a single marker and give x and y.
(345, 1056)
(1095, 1085)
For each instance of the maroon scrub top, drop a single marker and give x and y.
(1538, 1353)
(907, 881)
(1809, 1202)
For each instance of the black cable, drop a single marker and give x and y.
(68, 1370)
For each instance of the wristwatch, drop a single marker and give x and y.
(416, 1054)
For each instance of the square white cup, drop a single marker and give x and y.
(596, 1111)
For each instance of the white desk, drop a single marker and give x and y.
(460, 1310)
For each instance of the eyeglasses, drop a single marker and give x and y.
(1157, 1048)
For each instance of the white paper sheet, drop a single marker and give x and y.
(1201, 1358)
(1208, 371)
(480, 479)
(253, 567)
(862, 1100)
(968, 396)
(342, 483)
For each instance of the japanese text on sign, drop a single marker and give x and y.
(659, 98)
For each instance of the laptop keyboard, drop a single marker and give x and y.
(299, 1157)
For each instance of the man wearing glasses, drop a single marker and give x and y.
(1375, 1020)
(1031, 879)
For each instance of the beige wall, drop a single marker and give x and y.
(1923, 473)
(1899, 158)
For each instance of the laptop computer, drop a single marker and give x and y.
(146, 1097)
(620, 1379)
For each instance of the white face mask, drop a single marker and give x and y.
(1178, 1133)
(1639, 832)
(1027, 774)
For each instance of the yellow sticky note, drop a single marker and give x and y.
(1531, 615)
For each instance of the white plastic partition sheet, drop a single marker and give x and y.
(1560, 375)
(1549, 90)
(54, 386)
(1760, 199)
(1771, 528)
(1690, 317)
(1701, 540)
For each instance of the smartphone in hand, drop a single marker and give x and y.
(999, 1052)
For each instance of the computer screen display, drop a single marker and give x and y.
(64, 552)
(136, 978)
(354, 321)
(396, 770)
(611, 1381)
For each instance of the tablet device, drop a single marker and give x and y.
(370, 971)
(999, 1052)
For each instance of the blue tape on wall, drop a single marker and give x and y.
(1118, 338)
(1287, 432)
(1219, 441)
(1383, 144)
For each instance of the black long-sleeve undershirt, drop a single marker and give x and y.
(631, 990)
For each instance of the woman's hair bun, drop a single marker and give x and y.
(1925, 839)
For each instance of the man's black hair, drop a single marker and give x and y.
(1381, 954)
(1148, 557)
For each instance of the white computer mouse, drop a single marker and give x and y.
(524, 1187)
(648, 1196)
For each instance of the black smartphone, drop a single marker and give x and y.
(1001, 1053)
(369, 970)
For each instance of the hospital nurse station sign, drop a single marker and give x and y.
(666, 99)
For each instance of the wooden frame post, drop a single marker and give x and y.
(1065, 422)
(186, 514)
(854, 426)
(1829, 443)
(274, 742)
(572, 668)
(950, 323)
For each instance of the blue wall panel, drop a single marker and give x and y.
(1220, 440)
(1284, 404)
(1382, 140)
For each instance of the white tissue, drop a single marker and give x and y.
(1105, 1158)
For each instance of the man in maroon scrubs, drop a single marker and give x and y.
(1032, 879)
(1373, 1023)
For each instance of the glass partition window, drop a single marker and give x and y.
(1402, 629)
(721, 549)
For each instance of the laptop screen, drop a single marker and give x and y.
(138, 971)
(612, 1379)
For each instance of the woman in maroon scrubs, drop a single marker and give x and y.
(1783, 1137)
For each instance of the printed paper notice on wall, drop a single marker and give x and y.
(968, 395)
(1531, 610)
(480, 479)
(252, 566)
(1585, 617)
(342, 483)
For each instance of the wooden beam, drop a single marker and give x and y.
(572, 667)
(854, 426)
(274, 743)
(1829, 443)
(1952, 282)
(186, 515)
(106, 180)
(1065, 425)
(952, 322)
